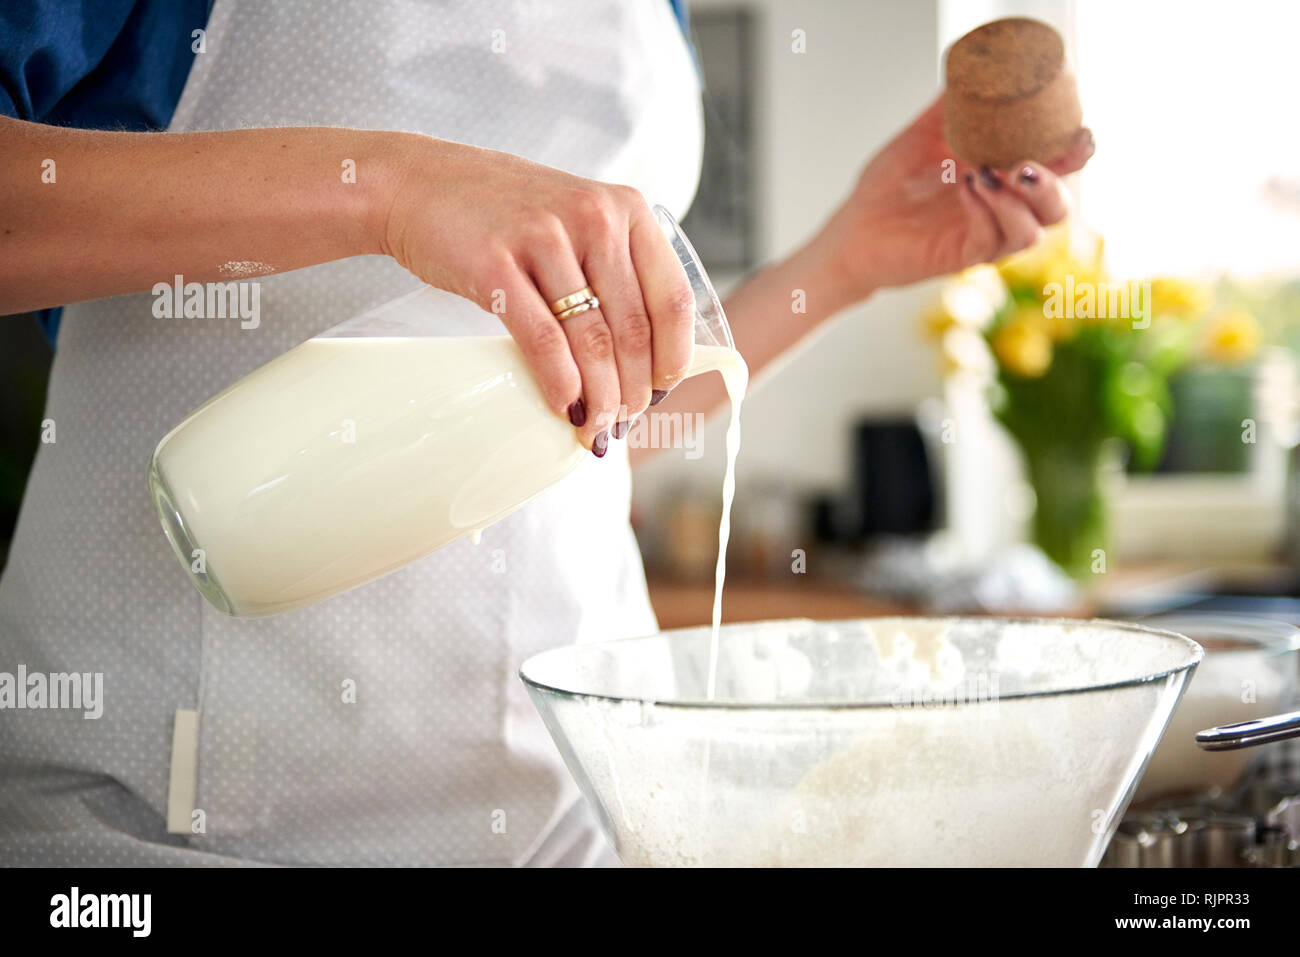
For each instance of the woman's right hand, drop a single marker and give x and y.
(513, 236)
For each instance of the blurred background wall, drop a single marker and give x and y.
(868, 69)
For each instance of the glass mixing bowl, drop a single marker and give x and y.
(908, 741)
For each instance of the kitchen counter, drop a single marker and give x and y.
(681, 604)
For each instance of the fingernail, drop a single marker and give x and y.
(619, 430)
(658, 395)
(1028, 175)
(1089, 141)
(600, 445)
(578, 413)
(990, 178)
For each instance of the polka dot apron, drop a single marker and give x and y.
(386, 725)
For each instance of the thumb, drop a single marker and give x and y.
(1080, 150)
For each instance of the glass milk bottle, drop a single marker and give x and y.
(368, 447)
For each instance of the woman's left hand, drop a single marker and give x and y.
(916, 212)
(919, 211)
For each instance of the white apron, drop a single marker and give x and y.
(441, 759)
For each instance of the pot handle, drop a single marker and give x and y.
(1246, 734)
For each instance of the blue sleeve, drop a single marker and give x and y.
(96, 64)
(45, 50)
(682, 15)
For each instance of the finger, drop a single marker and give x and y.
(1016, 223)
(1080, 150)
(544, 345)
(1044, 193)
(983, 239)
(592, 343)
(668, 299)
(555, 270)
(611, 272)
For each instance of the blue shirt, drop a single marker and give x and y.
(104, 65)
(96, 64)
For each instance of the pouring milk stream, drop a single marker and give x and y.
(366, 448)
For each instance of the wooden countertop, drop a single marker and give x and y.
(681, 604)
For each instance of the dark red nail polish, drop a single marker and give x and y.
(600, 444)
(658, 395)
(990, 178)
(1028, 175)
(619, 430)
(578, 413)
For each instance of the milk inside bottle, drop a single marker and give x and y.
(368, 447)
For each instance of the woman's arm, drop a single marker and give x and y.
(765, 323)
(88, 214)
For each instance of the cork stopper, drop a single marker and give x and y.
(1010, 94)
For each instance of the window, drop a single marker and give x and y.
(1198, 162)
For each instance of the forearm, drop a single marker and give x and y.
(771, 313)
(781, 305)
(126, 210)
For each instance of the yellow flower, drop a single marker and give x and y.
(1060, 324)
(1023, 344)
(1232, 336)
(1049, 260)
(1178, 297)
(936, 322)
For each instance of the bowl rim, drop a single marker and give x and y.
(1261, 633)
(1195, 654)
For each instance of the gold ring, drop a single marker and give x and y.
(579, 309)
(565, 303)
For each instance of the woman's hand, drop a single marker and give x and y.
(906, 220)
(514, 236)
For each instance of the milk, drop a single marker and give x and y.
(347, 458)
(735, 376)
